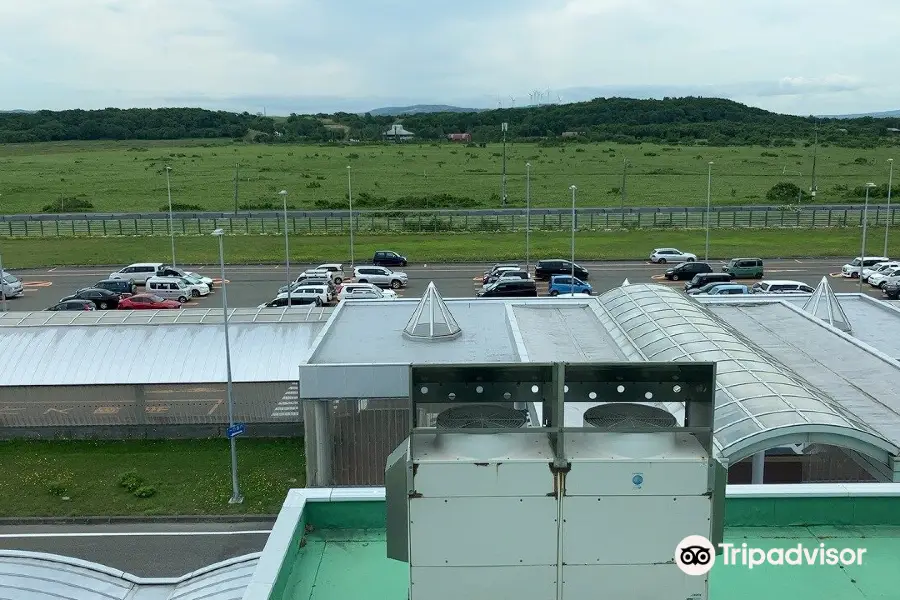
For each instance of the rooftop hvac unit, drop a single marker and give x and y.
(482, 506)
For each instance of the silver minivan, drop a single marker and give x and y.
(170, 288)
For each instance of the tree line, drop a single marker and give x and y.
(689, 120)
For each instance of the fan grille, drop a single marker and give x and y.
(628, 416)
(480, 416)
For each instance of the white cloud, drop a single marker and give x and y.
(799, 56)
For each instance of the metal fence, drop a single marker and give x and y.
(155, 410)
(338, 222)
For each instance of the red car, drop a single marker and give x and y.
(147, 302)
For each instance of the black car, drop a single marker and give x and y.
(119, 286)
(687, 270)
(702, 279)
(102, 299)
(892, 290)
(295, 301)
(73, 305)
(388, 258)
(546, 269)
(506, 275)
(510, 288)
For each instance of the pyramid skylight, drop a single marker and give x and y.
(432, 319)
(825, 305)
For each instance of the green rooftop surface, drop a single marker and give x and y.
(337, 564)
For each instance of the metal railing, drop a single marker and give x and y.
(413, 221)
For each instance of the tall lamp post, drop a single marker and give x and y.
(887, 225)
(528, 217)
(708, 206)
(2, 284)
(572, 281)
(236, 497)
(171, 228)
(350, 198)
(503, 127)
(287, 252)
(865, 220)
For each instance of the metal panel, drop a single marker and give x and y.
(717, 517)
(398, 484)
(461, 383)
(616, 530)
(450, 531)
(634, 582)
(353, 381)
(458, 583)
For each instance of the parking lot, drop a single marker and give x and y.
(251, 285)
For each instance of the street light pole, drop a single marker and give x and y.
(236, 497)
(708, 206)
(287, 252)
(572, 281)
(504, 127)
(528, 217)
(887, 225)
(624, 171)
(2, 284)
(865, 220)
(171, 229)
(350, 197)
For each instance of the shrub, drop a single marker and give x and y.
(784, 192)
(313, 185)
(861, 161)
(182, 207)
(352, 156)
(56, 488)
(145, 491)
(769, 154)
(131, 481)
(650, 154)
(69, 204)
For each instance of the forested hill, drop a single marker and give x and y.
(672, 120)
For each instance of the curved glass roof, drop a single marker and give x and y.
(759, 402)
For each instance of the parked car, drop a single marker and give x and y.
(781, 286)
(138, 272)
(365, 290)
(879, 268)
(706, 288)
(512, 288)
(381, 276)
(322, 280)
(701, 279)
(666, 255)
(318, 291)
(880, 278)
(563, 284)
(196, 286)
(687, 270)
(170, 271)
(388, 258)
(123, 287)
(170, 288)
(892, 289)
(281, 301)
(499, 266)
(744, 268)
(336, 270)
(10, 286)
(852, 268)
(73, 305)
(728, 289)
(507, 274)
(546, 269)
(147, 302)
(102, 299)
(575, 295)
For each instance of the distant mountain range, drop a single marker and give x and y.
(418, 109)
(887, 114)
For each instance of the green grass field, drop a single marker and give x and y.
(191, 477)
(19, 253)
(129, 176)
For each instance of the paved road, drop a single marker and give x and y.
(145, 550)
(249, 286)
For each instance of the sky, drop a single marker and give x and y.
(801, 57)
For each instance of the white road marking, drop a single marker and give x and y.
(84, 534)
(53, 269)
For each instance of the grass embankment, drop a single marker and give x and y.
(420, 249)
(188, 477)
(130, 176)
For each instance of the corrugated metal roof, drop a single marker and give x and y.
(144, 354)
(38, 576)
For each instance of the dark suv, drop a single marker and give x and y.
(701, 279)
(102, 299)
(510, 288)
(387, 258)
(687, 270)
(546, 269)
(120, 286)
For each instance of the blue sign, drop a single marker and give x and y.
(637, 480)
(236, 430)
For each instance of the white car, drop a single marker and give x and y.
(663, 255)
(780, 286)
(10, 286)
(319, 291)
(380, 276)
(170, 271)
(365, 290)
(196, 285)
(139, 272)
(879, 268)
(852, 268)
(573, 295)
(336, 270)
(880, 278)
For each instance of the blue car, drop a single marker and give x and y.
(728, 289)
(563, 284)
